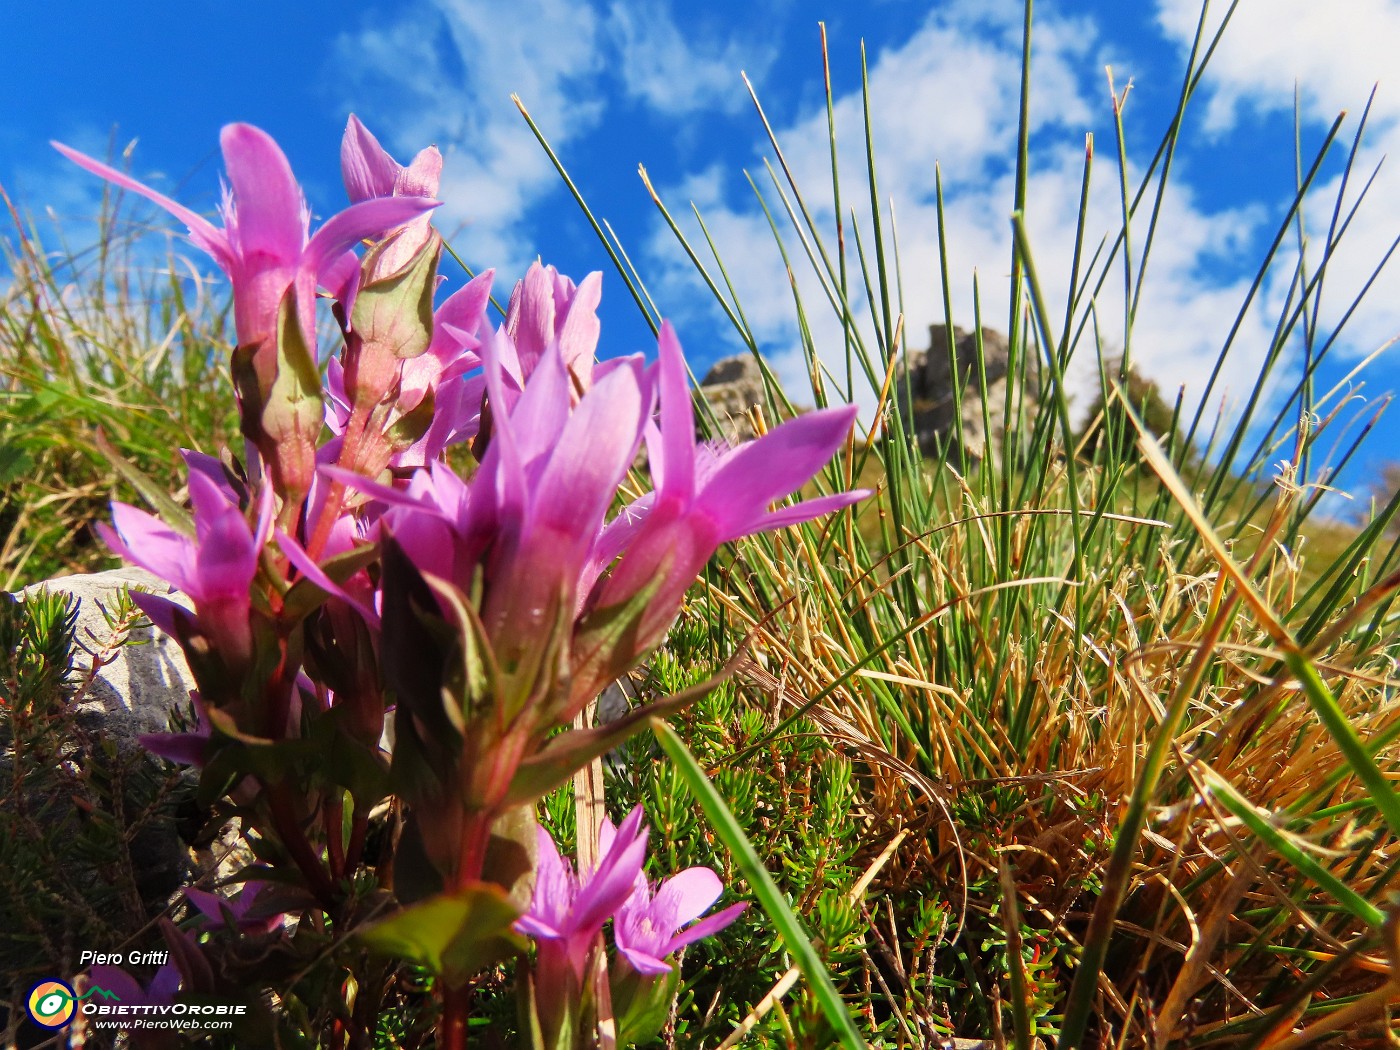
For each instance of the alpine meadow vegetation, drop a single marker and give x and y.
(1079, 732)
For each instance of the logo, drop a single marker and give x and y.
(52, 1003)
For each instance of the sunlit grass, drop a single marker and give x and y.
(1106, 727)
(1044, 662)
(108, 337)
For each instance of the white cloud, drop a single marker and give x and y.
(1334, 52)
(948, 96)
(675, 74)
(444, 73)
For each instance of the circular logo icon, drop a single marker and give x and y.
(51, 1003)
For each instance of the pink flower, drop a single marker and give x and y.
(649, 928)
(705, 496)
(265, 246)
(530, 516)
(547, 307)
(568, 910)
(370, 173)
(215, 568)
(242, 912)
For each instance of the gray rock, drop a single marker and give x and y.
(930, 393)
(732, 387)
(141, 673)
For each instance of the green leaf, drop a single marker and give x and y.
(293, 414)
(641, 1003)
(413, 424)
(15, 462)
(764, 888)
(511, 854)
(454, 935)
(160, 501)
(573, 749)
(355, 766)
(305, 596)
(395, 313)
(1286, 847)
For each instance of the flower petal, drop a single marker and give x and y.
(677, 417)
(160, 611)
(367, 169)
(186, 749)
(203, 232)
(269, 216)
(530, 315)
(707, 927)
(117, 981)
(307, 566)
(368, 219)
(643, 962)
(799, 512)
(578, 333)
(145, 540)
(684, 897)
(758, 473)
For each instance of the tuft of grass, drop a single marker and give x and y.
(104, 338)
(1128, 703)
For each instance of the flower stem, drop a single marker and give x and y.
(456, 1009)
(289, 830)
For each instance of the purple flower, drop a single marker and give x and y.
(370, 173)
(215, 568)
(160, 992)
(188, 748)
(705, 496)
(242, 912)
(532, 512)
(651, 928)
(264, 246)
(550, 474)
(547, 307)
(568, 910)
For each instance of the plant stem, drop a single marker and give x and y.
(294, 839)
(456, 1009)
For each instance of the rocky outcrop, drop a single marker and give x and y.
(930, 396)
(128, 680)
(733, 387)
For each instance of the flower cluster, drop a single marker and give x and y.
(349, 587)
(567, 914)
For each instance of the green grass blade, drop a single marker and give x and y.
(765, 889)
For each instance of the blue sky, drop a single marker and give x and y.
(617, 83)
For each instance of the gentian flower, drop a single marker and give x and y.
(265, 245)
(532, 512)
(568, 910)
(547, 307)
(242, 911)
(650, 928)
(370, 173)
(215, 568)
(129, 992)
(552, 471)
(441, 372)
(705, 495)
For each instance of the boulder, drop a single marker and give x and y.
(929, 394)
(141, 673)
(732, 387)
